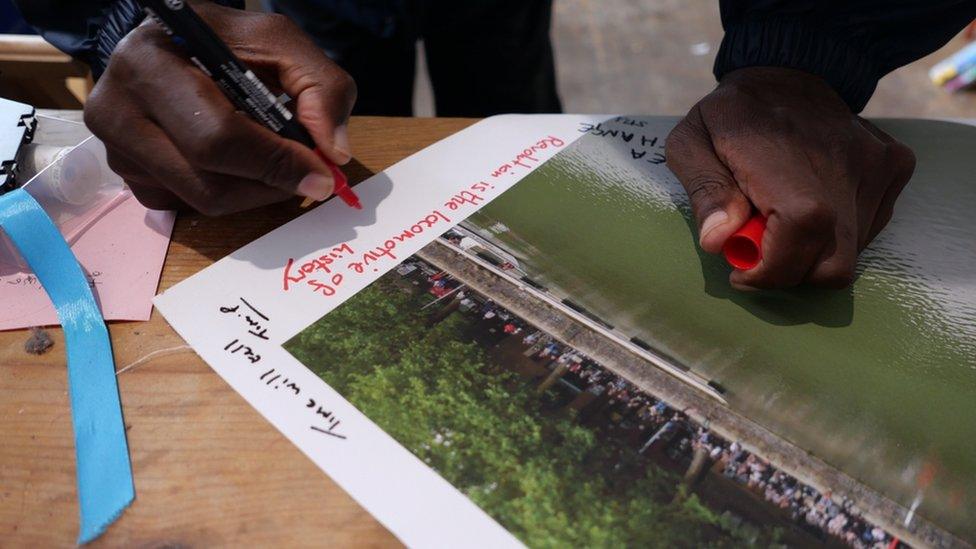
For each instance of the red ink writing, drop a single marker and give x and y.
(528, 157)
(294, 274)
(326, 273)
(386, 250)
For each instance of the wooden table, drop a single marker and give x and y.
(208, 469)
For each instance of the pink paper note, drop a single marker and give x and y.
(122, 254)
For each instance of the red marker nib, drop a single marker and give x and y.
(743, 250)
(342, 188)
(345, 192)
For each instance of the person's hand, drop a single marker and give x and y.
(174, 137)
(783, 142)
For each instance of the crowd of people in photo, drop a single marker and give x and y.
(604, 398)
(819, 513)
(807, 506)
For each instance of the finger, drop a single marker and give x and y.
(717, 203)
(153, 197)
(109, 120)
(323, 107)
(903, 166)
(227, 194)
(109, 129)
(324, 94)
(158, 171)
(900, 165)
(146, 189)
(795, 238)
(143, 186)
(877, 179)
(835, 267)
(213, 136)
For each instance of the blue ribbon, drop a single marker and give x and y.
(104, 472)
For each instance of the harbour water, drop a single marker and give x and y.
(878, 380)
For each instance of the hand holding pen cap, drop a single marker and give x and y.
(783, 143)
(177, 138)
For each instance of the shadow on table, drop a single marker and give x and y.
(217, 237)
(320, 233)
(796, 306)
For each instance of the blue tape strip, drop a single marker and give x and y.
(104, 473)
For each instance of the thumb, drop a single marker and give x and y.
(324, 111)
(717, 203)
(324, 96)
(251, 151)
(275, 46)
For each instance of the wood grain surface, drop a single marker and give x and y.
(208, 469)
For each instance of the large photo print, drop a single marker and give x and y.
(562, 364)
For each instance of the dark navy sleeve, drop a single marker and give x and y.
(87, 30)
(850, 43)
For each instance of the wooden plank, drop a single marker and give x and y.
(28, 47)
(208, 469)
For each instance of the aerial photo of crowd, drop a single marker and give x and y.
(649, 425)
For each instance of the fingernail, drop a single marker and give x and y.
(341, 143)
(316, 186)
(713, 220)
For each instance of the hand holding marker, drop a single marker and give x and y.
(238, 83)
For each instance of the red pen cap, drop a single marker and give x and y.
(743, 250)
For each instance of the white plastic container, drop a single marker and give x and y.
(76, 189)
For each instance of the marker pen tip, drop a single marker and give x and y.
(342, 188)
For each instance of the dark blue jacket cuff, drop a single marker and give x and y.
(847, 66)
(88, 30)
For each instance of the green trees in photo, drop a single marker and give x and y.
(545, 478)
